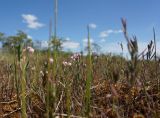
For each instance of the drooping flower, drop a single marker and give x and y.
(67, 63)
(33, 68)
(30, 49)
(41, 72)
(64, 63)
(51, 60)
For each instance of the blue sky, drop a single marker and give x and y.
(32, 16)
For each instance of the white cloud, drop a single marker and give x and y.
(85, 44)
(70, 44)
(109, 31)
(30, 37)
(85, 41)
(44, 44)
(118, 31)
(105, 34)
(93, 26)
(67, 39)
(143, 45)
(102, 40)
(113, 47)
(32, 21)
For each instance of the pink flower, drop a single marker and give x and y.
(30, 50)
(51, 60)
(76, 56)
(64, 63)
(67, 63)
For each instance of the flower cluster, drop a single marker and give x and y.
(30, 50)
(65, 63)
(76, 56)
(42, 73)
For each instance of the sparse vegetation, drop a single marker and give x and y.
(52, 83)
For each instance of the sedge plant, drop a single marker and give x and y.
(51, 85)
(23, 66)
(89, 77)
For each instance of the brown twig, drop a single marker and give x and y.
(6, 115)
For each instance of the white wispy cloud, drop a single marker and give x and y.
(44, 44)
(102, 40)
(142, 45)
(85, 41)
(113, 47)
(29, 36)
(68, 44)
(32, 21)
(67, 39)
(92, 25)
(105, 34)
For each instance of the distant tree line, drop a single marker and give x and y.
(21, 38)
(9, 42)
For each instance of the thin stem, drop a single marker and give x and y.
(89, 78)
